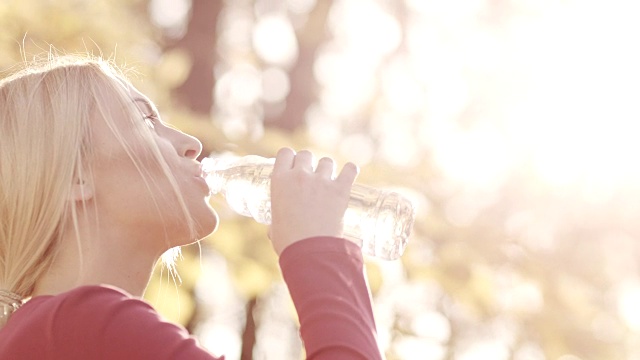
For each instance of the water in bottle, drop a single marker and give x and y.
(379, 221)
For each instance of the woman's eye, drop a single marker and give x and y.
(150, 120)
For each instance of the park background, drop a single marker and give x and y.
(512, 124)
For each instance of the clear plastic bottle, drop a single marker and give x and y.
(379, 221)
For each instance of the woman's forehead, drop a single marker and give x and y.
(144, 104)
(117, 108)
(112, 130)
(140, 99)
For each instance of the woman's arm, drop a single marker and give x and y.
(326, 281)
(324, 272)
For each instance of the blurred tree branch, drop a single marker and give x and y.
(199, 42)
(303, 84)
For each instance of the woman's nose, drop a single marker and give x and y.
(188, 146)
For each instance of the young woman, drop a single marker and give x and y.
(95, 188)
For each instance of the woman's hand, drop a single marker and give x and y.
(307, 203)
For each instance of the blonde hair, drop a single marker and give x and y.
(46, 110)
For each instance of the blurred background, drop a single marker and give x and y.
(512, 124)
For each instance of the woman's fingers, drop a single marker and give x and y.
(348, 174)
(284, 160)
(287, 159)
(326, 168)
(303, 160)
(307, 203)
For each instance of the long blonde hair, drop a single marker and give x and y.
(45, 143)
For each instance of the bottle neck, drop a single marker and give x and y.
(209, 172)
(214, 169)
(215, 182)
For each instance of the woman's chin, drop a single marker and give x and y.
(208, 225)
(204, 224)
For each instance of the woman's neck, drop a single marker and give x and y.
(122, 267)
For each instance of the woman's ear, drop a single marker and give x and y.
(81, 190)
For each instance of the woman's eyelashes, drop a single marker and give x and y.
(151, 120)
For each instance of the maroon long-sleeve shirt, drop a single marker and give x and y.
(324, 276)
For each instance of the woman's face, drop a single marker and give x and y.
(148, 210)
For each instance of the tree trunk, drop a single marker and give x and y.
(249, 333)
(200, 43)
(303, 85)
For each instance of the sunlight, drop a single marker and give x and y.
(478, 157)
(170, 13)
(238, 89)
(529, 351)
(483, 350)
(240, 86)
(628, 300)
(359, 148)
(274, 40)
(221, 339)
(365, 27)
(518, 295)
(275, 85)
(301, 6)
(409, 347)
(433, 325)
(394, 134)
(577, 121)
(221, 331)
(569, 357)
(326, 129)
(454, 13)
(404, 94)
(570, 113)
(348, 81)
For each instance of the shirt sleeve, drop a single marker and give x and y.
(104, 323)
(326, 281)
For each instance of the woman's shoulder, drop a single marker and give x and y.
(102, 319)
(102, 289)
(84, 307)
(92, 293)
(93, 298)
(57, 324)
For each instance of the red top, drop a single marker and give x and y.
(325, 279)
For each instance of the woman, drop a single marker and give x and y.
(95, 188)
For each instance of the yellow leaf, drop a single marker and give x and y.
(170, 300)
(251, 278)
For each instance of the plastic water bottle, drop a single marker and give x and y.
(379, 221)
